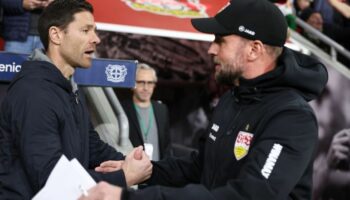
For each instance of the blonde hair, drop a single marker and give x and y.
(144, 66)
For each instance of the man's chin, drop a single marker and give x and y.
(145, 99)
(85, 65)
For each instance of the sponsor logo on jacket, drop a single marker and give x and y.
(116, 73)
(242, 144)
(271, 160)
(214, 128)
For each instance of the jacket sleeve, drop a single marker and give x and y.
(115, 178)
(276, 162)
(40, 142)
(100, 151)
(13, 7)
(166, 134)
(176, 171)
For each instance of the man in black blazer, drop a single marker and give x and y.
(148, 119)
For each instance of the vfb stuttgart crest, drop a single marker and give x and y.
(116, 73)
(242, 144)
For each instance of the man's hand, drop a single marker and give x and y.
(103, 191)
(47, 2)
(110, 166)
(341, 6)
(137, 167)
(339, 149)
(115, 165)
(35, 4)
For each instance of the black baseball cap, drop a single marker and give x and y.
(250, 19)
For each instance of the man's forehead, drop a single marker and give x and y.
(84, 17)
(227, 37)
(145, 73)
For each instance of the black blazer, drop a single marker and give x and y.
(162, 120)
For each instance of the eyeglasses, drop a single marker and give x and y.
(146, 83)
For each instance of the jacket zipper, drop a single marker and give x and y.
(231, 127)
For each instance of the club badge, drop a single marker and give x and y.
(242, 144)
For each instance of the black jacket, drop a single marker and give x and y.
(162, 120)
(41, 118)
(260, 141)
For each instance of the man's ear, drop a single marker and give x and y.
(256, 50)
(55, 35)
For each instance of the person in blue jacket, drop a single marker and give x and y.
(263, 133)
(19, 25)
(44, 115)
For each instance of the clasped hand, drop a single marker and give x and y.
(137, 166)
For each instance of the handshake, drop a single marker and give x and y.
(137, 166)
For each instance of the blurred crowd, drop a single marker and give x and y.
(330, 17)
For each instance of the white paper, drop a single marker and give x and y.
(149, 150)
(67, 181)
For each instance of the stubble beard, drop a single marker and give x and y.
(142, 98)
(230, 76)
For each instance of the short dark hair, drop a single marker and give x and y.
(60, 13)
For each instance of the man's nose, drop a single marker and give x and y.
(96, 39)
(213, 49)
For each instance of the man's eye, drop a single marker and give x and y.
(218, 39)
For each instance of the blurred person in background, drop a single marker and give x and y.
(336, 32)
(20, 24)
(148, 119)
(300, 5)
(332, 170)
(342, 8)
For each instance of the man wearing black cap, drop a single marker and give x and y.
(263, 132)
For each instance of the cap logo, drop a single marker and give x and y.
(241, 28)
(245, 30)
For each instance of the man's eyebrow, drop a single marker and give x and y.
(218, 39)
(89, 26)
